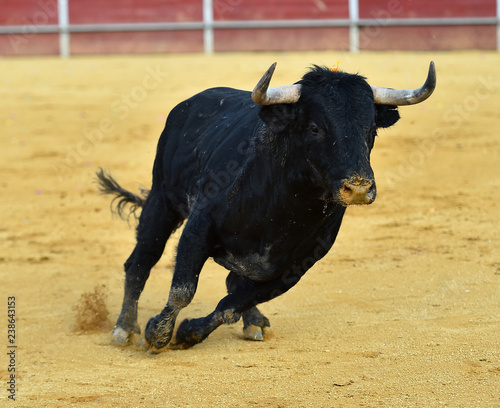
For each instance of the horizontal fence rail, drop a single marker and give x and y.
(252, 24)
(64, 28)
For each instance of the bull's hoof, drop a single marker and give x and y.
(256, 333)
(252, 332)
(123, 338)
(150, 348)
(157, 335)
(188, 334)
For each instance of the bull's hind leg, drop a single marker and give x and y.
(255, 324)
(156, 223)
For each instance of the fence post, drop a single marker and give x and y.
(63, 21)
(498, 25)
(353, 26)
(208, 26)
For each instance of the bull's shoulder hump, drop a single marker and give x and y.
(215, 102)
(220, 93)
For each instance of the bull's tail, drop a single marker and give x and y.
(108, 185)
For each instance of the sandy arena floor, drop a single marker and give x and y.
(403, 312)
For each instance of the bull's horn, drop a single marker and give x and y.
(398, 97)
(274, 96)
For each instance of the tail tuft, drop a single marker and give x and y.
(108, 185)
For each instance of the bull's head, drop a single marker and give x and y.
(334, 117)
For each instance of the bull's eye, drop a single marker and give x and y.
(314, 133)
(371, 137)
(314, 129)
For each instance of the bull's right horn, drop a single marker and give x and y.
(274, 96)
(399, 97)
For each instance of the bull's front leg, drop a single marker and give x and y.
(192, 252)
(242, 298)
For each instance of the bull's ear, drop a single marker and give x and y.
(277, 117)
(386, 115)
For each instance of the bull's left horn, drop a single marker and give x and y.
(399, 97)
(274, 96)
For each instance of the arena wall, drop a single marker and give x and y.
(79, 27)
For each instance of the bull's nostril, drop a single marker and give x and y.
(347, 190)
(358, 191)
(372, 191)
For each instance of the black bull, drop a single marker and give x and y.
(263, 180)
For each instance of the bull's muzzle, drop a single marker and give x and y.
(358, 190)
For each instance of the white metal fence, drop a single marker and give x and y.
(64, 27)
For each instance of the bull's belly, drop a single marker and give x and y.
(254, 265)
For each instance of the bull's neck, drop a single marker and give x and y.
(278, 170)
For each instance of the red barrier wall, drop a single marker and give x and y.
(427, 8)
(129, 11)
(280, 10)
(33, 15)
(419, 38)
(23, 12)
(133, 11)
(283, 38)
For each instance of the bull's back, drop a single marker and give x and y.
(201, 135)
